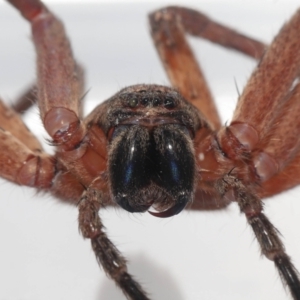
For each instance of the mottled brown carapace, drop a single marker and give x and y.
(157, 149)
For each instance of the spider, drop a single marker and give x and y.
(229, 173)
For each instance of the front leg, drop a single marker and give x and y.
(107, 255)
(59, 85)
(169, 26)
(266, 234)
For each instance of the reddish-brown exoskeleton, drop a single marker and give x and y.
(148, 146)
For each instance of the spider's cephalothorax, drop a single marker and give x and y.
(151, 159)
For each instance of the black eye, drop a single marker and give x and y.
(133, 102)
(145, 101)
(169, 102)
(156, 101)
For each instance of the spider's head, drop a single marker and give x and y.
(151, 160)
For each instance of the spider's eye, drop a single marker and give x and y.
(156, 101)
(145, 101)
(169, 102)
(133, 102)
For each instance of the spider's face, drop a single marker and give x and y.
(151, 156)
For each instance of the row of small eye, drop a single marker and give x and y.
(168, 101)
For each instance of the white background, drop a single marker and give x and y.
(196, 255)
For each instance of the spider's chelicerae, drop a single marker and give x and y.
(161, 152)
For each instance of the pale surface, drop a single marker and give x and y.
(200, 255)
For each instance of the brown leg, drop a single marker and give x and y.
(271, 81)
(26, 100)
(22, 166)
(59, 94)
(168, 27)
(28, 164)
(59, 86)
(284, 180)
(180, 64)
(280, 145)
(12, 122)
(266, 120)
(283, 145)
(199, 25)
(22, 159)
(266, 234)
(29, 96)
(108, 256)
(282, 141)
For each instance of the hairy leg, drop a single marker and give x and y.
(11, 121)
(29, 97)
(169, 26)
(107, 255)
(59, 85)
(271, 81)
(265, 122)
(266, 234)
(26, 100)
